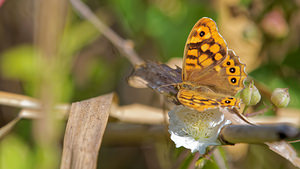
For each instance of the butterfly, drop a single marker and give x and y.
(212, 74)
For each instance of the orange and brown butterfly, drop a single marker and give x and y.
(212, 74)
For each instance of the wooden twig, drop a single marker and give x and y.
(125, 46)
(7, 128)
(17, 100)
(258, 133)
(138, 114)
(85, 128)
(135, 113)
(229, 133)
(141, 114)
(280, 147)
(27, 103)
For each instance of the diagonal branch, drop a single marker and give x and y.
(125, 46)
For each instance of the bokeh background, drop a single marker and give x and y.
(84, 64)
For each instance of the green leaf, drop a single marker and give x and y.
(19, 63)
(15, 153)
(76, 37)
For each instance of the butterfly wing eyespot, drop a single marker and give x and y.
(235, 71)
(202, 33)
(229, 102)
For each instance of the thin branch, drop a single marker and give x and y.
(125, 46)
(141, 114)
(258, 133)
(17, 100)
(27, 103)
(8, 127)
(137, 113)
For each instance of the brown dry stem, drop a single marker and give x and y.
(85, 128)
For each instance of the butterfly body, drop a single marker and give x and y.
(212, 74)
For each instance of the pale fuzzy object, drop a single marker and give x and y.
(280, 97)
(195, 130)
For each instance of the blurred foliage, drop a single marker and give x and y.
(92, 66)
(161, 22)
(14, 148)
(19, 63)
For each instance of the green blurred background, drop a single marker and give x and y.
(264, 33)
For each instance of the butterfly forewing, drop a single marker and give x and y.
(205, 48)
(211, 73)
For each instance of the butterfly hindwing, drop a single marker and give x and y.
(234, 72)
(226, 78)
(203, 101)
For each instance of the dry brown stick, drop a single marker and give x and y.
(84, 132)
(258, 133)
(7, 128)
(141, 114)
(27, 103)
(17, 100)
(125, 46)
(136, 114)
